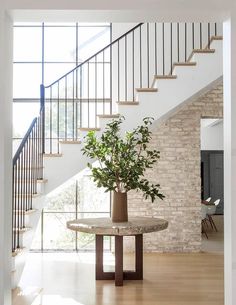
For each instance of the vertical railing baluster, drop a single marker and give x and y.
(81, 96)
(140, 57)
(111, 77)
(125, 78)
(22, 185)
(103, 83)
(13, 209)
(155, 44)
(95, 89)
(21, 189)
(18, 197)
(50, 121)
(58, 116)
(193, 43)
(133, 67)
(200, 35)
(73, 106)
(171, 55)
(208, 34)
(215, 29)
(148, 63)
(118, 70)
(178, 41)
(185, 41)
(66, 108)
(163, 48)
(88, 96)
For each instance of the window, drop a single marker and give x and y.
(42, 54)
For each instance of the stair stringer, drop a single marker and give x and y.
(172, 94)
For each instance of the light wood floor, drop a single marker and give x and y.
(169, 279)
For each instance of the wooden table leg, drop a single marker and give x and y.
(118, 260)
(139, 256)
(99, 257)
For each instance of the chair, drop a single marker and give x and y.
(211, 210)
(208, 199)
(204, 213)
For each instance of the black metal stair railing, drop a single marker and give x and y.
(27, 169)
(92, 88)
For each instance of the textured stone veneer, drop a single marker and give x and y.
(178, 172)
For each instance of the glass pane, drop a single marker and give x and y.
(55, 71)
(90, 197)
(23, 114)
(27, 44)
(36, 243)
(60, 44)
(56, 235)
(91, 40)
(62, 199)
(26, 80)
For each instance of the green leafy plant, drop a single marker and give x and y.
(123, 160)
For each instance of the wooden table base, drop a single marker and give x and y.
(119, 275)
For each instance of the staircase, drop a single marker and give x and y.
(151, 70)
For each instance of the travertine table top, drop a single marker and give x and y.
(104, 226)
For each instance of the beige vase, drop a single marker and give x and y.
(119, 212)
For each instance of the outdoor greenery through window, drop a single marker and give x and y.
(43, 53)
(78, 198)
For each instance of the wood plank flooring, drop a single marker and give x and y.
(169, 279)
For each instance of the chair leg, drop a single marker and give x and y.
(203, 229)
(210, 220)
(213, 223)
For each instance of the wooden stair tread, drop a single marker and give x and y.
(108, 116)
(17, 251)
(27, 195)
(216, 38)
(184, 64)
(28, 212)
(201, 51)
(165, 76)
(90, 129)
(52, 155)
(22, 230)
(42, 180)
(146, 89)
(206, 50)
(70, 142)
(128, 103)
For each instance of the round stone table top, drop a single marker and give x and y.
(104, 226)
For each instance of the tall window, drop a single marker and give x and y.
(42, 54)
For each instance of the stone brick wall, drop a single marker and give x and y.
(178, 172)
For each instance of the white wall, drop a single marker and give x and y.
(212, 136)
(5, 156)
